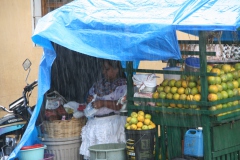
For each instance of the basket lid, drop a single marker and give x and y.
(193, 62)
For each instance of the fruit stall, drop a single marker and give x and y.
(206, 98)
(131, 31)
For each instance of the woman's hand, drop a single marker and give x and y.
(89, 99)
(98, 104)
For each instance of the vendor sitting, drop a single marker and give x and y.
(107, 126)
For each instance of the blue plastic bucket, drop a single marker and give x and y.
(193, 143)
(192, 64)
(28, 154)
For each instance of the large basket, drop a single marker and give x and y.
(64, 128)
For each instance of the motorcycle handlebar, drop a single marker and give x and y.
(30, 86)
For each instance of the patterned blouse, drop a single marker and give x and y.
(106, 90)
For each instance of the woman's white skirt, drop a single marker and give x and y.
(101, 131)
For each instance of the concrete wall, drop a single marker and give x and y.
(15, 46)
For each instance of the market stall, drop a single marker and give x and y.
(131, 31)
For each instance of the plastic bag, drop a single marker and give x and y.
(89, 111)
(144, 80)
(54, 100)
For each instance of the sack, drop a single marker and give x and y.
(145, 80)
(54, 100)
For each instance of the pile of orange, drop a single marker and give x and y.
(139, 121)
(187, 88)
(225, 84)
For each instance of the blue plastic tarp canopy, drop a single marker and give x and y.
(125, 30)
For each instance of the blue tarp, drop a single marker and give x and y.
(126, 30)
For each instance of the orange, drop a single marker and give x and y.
(216, 70)
(167, 89)
(235, 103)
(193, 78)
(190, 97)
(133, 126)
(224, 105)
(226, 68)
(219, 106)
(128, 119)
(180, 105)
(230, 85)
(173, 90)
(155, 95)
(209, 68)
(211, 80)
(173, 105)
(176, 96)
(178, 83)
(169, 95)
(212, 108)
(147, 121)
(218, 80)
(197, 97)
(224, 94)
(160, 89)
(172, 82)
(192, 84)
(212, 89)
(229, 76)
(230, 93)
(194, 91)
(162, 95)
(235, 83)
(235, 74)
(224, 77)
(219, 95)
(140, 118)
(187, 91)
(139, 124)
(184, 84)
(165, 82)
(212, 97)
(235, 92)
(141, 113)
(183, 97)
(224, 86)
(237, 66)
(220, 88)
(180, 90)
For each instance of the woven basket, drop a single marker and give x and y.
(64, 128)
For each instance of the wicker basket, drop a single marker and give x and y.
(64, 128)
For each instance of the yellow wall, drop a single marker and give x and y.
(15, 46)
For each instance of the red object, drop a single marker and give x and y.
(32, 147)
(81, 107)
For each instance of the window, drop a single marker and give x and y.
(50, 5)
(41, 7)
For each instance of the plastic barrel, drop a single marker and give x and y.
(192, 64)
(140, 144)
(193, 143)
(172, 76)
(111, 151)
(63, 148)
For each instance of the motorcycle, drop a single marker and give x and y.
(14, 123)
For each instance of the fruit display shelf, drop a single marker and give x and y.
(174, 121)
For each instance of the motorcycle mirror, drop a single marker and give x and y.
(26, 64)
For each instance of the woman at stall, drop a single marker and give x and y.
(106, 126)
